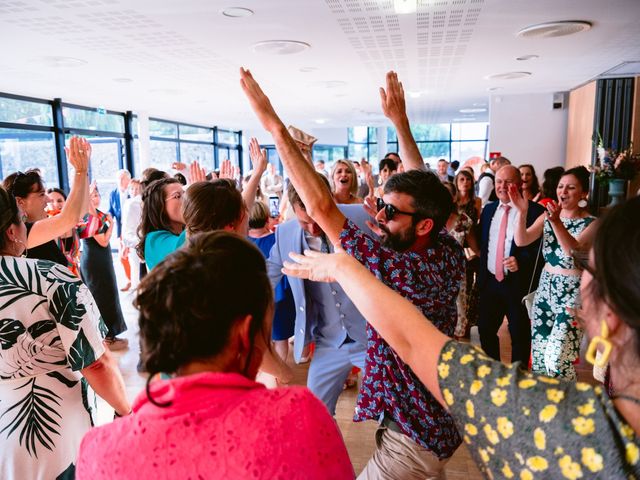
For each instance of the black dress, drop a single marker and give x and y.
(96, 268)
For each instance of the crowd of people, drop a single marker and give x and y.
(379, 276)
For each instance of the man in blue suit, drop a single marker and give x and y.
(324, 313)
(505, 271)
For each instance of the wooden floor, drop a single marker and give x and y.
(359, 437)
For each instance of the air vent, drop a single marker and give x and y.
(280, 47)
(554, 29)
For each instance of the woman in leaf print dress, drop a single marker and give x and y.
(51, 351)
(518, 424)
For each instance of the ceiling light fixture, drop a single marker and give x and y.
(403, 7)
(554, 29)
(237, 12)
(493, 89)
(508, 76)
(280, 47)
(524, 58)
(472, 110)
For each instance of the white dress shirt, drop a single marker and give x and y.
(494, 230)
(485, 187)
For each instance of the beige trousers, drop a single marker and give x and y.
(398, 457)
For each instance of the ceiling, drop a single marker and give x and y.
(179, 60)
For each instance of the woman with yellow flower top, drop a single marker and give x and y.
(518, 424)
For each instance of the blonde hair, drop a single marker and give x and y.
(353, 188)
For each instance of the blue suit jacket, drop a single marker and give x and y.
(289, 238)
(526, 256)
(115, 209)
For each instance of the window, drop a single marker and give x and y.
(363, 143)
(228, 147)
(25, 112)
(455, 141)
(21, 150)
(81, 118)
(329, 153)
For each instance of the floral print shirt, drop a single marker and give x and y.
(431, 281)
(525, 426)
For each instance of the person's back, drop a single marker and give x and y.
(220, 426)
(212, 420)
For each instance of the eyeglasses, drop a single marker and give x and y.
(390, 211)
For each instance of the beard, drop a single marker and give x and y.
(398, 241)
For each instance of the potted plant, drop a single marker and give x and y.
(616, 169)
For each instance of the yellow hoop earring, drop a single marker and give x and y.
(600, 340)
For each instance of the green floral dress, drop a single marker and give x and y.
(555, 334)
(525, 426)
(50, 329)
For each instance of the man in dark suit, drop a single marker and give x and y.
(505, 271)
(117, 198)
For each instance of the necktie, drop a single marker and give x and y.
(501, 239)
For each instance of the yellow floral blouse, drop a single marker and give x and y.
(524, 426)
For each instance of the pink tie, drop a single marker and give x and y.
(501, 239)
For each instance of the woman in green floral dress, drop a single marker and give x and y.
(51, 351)
(518, 424)
(555, 333)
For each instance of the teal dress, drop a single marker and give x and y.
(555, 334)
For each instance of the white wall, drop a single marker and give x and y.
(526, 129)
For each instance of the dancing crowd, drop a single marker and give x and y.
(379, 277)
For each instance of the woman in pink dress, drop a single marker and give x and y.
(205, 319)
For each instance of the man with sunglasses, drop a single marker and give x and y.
(414, 256)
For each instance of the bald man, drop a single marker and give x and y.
(505, 271)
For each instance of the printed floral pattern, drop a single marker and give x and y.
(49, 330)
(555, 334)
(525, 426)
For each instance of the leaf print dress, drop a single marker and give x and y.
(555, 335)
(50, 329)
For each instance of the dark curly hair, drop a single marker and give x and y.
(212, 206)
(20, 184)
(153, 216)
(9, 215)
(188, 304)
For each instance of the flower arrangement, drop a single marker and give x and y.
(624, 165)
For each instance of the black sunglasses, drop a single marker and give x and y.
(390, 211)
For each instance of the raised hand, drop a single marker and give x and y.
(197, 173)
(553, 212)
(314, 266)
(259, 102)
(179, 166)
(517, 199)
(226, 169)
(78, 153)
(258, 157)
(392, 99)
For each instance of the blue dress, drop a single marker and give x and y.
(285, 311)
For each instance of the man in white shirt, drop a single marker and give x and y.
(271, 183)
(505, 271)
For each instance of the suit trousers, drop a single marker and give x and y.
(498, 299)
(329, 369)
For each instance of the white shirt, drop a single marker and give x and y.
(485, 187)
(131, 216)
(494, 230)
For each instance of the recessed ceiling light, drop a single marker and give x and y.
(122, 80)
(524, 58)
(62, 62)
(472, 110)
(308, 69)
(237, 12)
(405, 6)
(280, 47)
(508, 76)
(554, 29)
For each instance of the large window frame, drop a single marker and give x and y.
(370, 145)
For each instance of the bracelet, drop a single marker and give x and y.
(82, 172)
(117, 415)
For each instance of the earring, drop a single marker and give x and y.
(583, 203)
(603, 358)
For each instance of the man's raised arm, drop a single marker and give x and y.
(394, 108)
(317, 200)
